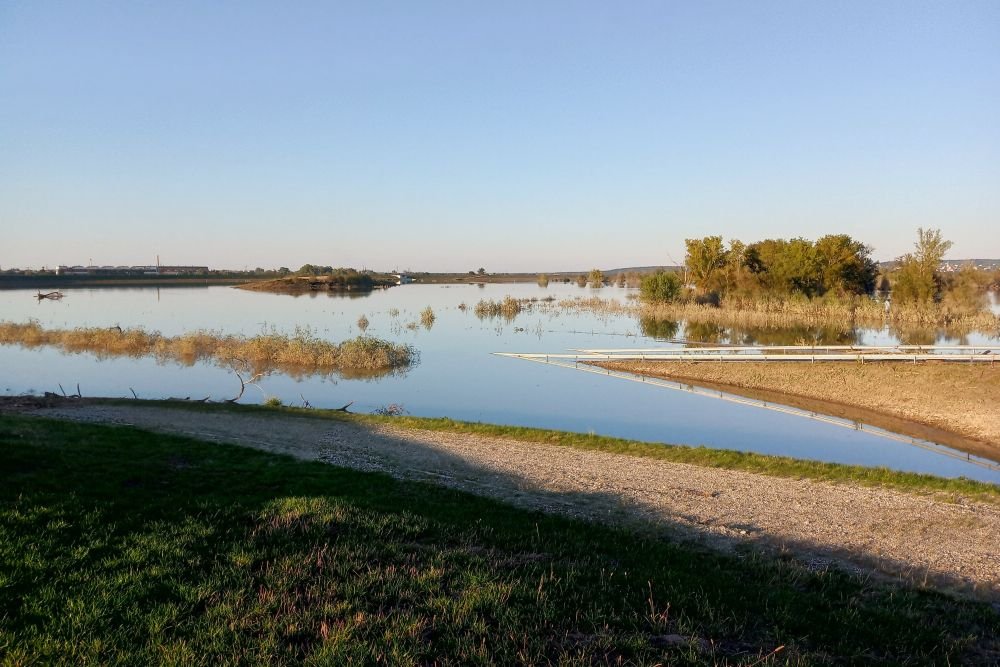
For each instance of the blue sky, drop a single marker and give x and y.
(515, 136)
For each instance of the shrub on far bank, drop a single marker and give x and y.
(661, 287)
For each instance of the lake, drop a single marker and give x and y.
(458, 376)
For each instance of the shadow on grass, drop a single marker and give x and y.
(118, 545)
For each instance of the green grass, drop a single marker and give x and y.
(120, 546)
(779, 466)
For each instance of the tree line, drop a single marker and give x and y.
(835, 264)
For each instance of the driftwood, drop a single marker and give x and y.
(52, 394)
(244, 384)
(76, 395)
(55, 296)
(344, 408)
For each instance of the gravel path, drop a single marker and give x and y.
(948, 545)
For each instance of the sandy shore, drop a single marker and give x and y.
(954, 404)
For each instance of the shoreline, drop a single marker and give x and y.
(842, 525)
(69, 283)
(946, 488)
(916, 401)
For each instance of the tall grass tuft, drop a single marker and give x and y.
(427, 317)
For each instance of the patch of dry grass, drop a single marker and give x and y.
(302, 351)
(861, 311)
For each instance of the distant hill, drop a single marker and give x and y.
(628, 269)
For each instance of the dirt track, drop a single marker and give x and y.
(951, 545)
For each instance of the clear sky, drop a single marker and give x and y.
(536, 135)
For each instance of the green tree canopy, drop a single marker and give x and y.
(704, 259)
(917, 279)
(845, 265)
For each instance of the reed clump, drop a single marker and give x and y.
(596, 305)
(859, 310)
(508, 307)
(301, 351)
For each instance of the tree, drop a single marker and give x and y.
(660, 287)
(845, 265)
(736, 274)
(704, 258)
(481, 271)
(596, 278)
(785, 266)
(917, 279)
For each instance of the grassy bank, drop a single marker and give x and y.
(947, 396)
(300, 352)
(122, 546)
(777, 466)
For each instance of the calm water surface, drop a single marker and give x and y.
(457, 375)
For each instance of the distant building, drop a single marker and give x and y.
(403, 279)
(63, 270)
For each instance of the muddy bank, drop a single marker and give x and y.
(953, 404)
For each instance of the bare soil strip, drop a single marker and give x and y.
(950, 543)
(954, 404)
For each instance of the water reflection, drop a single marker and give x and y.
(716, 334)
(457, 377)
(665, 330)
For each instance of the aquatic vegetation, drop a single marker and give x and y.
(302, 351)
(427, 317)
(509, 308)
(860, 310)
